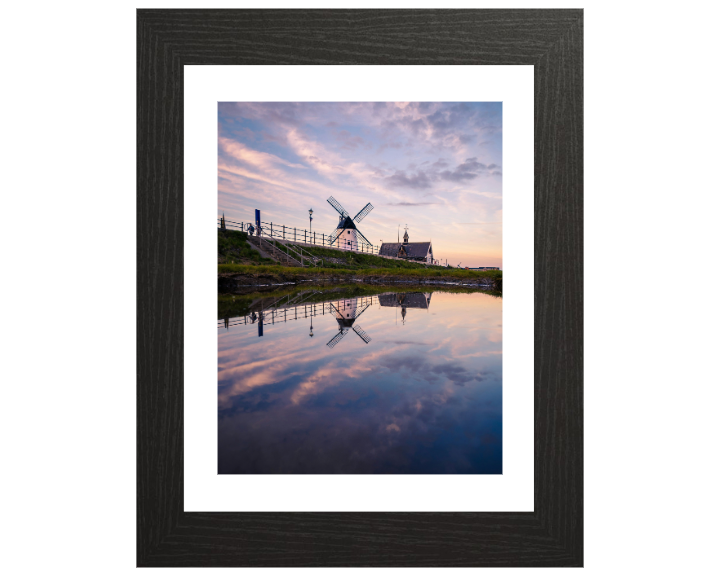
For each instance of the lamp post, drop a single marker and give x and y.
(310, 212)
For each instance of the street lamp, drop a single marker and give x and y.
(310, 211)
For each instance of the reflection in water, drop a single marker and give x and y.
(346, 313)
(406, 300)
(423, 395)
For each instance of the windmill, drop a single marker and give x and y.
(346, 320)
(346, 233)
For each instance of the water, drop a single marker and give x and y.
(404, 383)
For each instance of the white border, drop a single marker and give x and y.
(205, 490)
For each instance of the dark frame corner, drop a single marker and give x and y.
(552, 41)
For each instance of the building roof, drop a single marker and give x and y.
(413, 249)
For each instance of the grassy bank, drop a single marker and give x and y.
(409, 273)
(233, 247)
(240, 265)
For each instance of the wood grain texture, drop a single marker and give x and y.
(552, 41)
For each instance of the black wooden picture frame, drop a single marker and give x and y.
(552, 41)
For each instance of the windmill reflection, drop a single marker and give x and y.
(265, 312)
(346, 319)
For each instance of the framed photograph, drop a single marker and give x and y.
(360, 288)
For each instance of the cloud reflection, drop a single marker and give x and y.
(416, 399)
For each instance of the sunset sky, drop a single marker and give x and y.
(436, 167)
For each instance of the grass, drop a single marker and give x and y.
(420, 272)
(233, 247)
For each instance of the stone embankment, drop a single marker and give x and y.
(230, 282)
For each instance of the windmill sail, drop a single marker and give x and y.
(360, 332)
(337, 338)
(358, 312)
(334, 235)
(364, 212)
(335, 204)
(363, 237)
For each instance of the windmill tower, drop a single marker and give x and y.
(346, 234)
(346, 313)
(346, 309)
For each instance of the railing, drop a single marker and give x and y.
(272, 249)
(300, 254)
(297, 235)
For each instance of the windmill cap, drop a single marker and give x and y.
(348, 223)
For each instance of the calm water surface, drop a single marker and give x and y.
(397, 383)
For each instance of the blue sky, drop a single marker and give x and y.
(436, 167)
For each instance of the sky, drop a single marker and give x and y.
(435, 167)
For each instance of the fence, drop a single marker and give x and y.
(288, 234)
